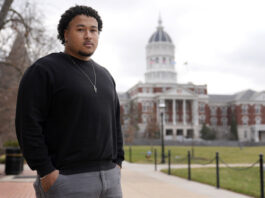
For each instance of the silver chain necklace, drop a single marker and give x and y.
(78, 67)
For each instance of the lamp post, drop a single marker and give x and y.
(162, 107)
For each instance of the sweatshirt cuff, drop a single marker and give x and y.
(119, 162)
(45, 170)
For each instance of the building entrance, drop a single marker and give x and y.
(261, 136)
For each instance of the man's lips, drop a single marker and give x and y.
(88, 44)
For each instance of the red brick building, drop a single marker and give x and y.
(188, 106)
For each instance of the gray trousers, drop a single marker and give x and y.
(100, 184)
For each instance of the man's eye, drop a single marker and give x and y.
(80, 30)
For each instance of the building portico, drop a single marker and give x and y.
(181, 114)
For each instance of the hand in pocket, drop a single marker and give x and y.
(48, 180)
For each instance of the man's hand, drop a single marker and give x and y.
(48, 180)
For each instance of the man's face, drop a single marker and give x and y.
(81, 37)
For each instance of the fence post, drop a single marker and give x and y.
(169, 162)
(189, 172)
(155, 160)
(261, 176)
(130, 154)
(217, 171)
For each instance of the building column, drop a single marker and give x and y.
(195, 115)
(174, 112)
(257, 135)
(184, 112)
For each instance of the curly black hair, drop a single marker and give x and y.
(71, 13)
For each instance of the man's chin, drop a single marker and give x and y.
(85, 54)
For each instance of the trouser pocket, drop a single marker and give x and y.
(38, 189)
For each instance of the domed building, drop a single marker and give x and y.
(160, 58)
(187, 106)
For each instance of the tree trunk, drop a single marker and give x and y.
(4, 10)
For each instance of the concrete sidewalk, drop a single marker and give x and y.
(141, 181)
(138, 181)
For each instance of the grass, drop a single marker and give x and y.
(202, 154)
(241, 181)
(2, 159)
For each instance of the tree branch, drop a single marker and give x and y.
(21, 20)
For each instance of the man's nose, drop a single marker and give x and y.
(87, 34)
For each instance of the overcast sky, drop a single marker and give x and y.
(223, 41)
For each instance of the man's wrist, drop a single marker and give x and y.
(45, 176)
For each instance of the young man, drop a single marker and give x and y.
(68, 116)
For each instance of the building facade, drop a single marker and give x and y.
(187, 106)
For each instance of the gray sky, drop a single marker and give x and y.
(223, 41)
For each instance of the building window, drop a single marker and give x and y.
(213, 121)
(224, 111)
(190, 133)
(224, 121)
(233, 109)
(245, 134)
(166, 117)
(144, 107)
(202, 108)
(164, 60)
(202, 119)
(179, 132)
(201, 91)
(157, 60)
(187, 117)
(213, 110)
(147, 106)
(245, 120)
(126, 109)
(144, 118)
(169, 132)
(244, 109)
(257, 109)
(258, 120)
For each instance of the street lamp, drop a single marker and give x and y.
(162, 107)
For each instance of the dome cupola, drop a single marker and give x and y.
(160, 57)
(160, 35)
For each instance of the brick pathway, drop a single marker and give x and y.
(16, 190)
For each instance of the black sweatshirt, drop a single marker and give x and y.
(61, 123)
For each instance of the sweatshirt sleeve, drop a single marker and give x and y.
(120, 154)
(33, 102)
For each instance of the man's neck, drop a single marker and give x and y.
(83, 58)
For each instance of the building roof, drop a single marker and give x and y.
(220, 98)
(160, 35)
(245, 95)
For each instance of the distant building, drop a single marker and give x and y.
(188, 106)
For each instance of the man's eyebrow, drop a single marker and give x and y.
(82, 25)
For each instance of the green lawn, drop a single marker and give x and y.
(202, 154)
(244, 181)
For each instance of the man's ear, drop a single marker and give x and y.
(66, 36)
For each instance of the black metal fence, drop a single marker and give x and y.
(217, 160)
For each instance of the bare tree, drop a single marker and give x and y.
(23, 39)
(152, 130)
(133, 118)
(28, 23)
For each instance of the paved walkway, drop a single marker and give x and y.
(138, 181)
